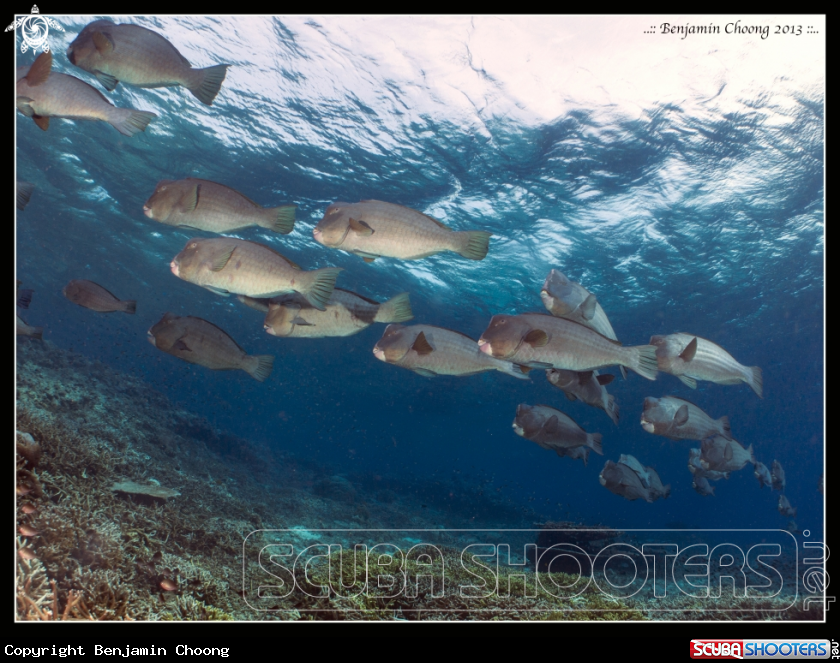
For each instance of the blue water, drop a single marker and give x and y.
(681, 181)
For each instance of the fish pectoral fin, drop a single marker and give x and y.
(24, 105)
(681, 416)
(360, 228)
(552, 426)
(40, 70)
(688, 382)
(421, 346)
(587, 308)
(690, 350)
(220, 262)
(536, 338)
(605, 379)
(106, 80)
(189, 201)
(727, 453)
(297, 320)
(368, 259)
(180, 344)
(425, 372)
(570, 396)
(540, 364)
(102, 42)
(42, 121)
(218, 291)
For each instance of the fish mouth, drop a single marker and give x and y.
(147, 211)
(647, 426)
(379, 353)
(150, 338)
(485, 347)
(316, 233)
(518, 429)
(175, 268)
(269, 330)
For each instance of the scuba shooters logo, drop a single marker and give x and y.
(763, 649)
(35, 29)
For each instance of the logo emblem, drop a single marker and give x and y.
(35, 29)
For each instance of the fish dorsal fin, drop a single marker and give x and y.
(681, 417)
(360, 227)
(575, 322)
(430, 218)
(220, 262)
(536, 338)
(552, 426)
(200, 181)
(356, 294)
(605, 379)
(421, 346)
(727, 452)
(690, 350)
(587, 308)
(189, 201)
(291, 263)
(42, 121)
(218, 329)
(102, 42)
(40, 70)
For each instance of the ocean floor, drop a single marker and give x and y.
(130, 507)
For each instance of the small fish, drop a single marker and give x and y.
(200, 342)
(623, 481)
(785, 508)
(792, 527)
(551, 429)
(702, 486)
(762, 474)
(346, 313)
(43, 93)
(24, 297)
(678, 419)
(778, 476)
(566, 299)
(206, 205)
(25, 330)
(431, 351)
(693, 358)
(26, 530)
(24, 193)
(228, 265)
(543, 341)
(168, 585)
(696, 468)
(724, 455)
(372, 228)
(93, 296)
(29, 508)
(588, 386)
(26, 553)
(139, 56)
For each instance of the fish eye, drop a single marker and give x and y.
(163, 188)
(193, 245)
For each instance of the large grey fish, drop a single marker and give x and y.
(214, 207)
(693, 358)
(431, 351)
(723, 455)
(696, 468)
(785, 508)
(43, 93)
(228, 265)
(701, 485)
(680, 420)
(200, 342)
(139, 56)
(372, 228)
(346, 313)
(778, 476)
(566, 299)
(762, 474)
(93, 296)
(588, 386)
(24, 192)
(552, 429)
(621, 480)
(543, 341)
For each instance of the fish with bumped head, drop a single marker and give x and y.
(228, 265)
(566, 299)
(588, 386)
(346, 313)
(552, 429)
(762, 474)
(678, 419)
(93, 296)
(778, 476)
(43, 93)
(431, 351)
(214, 207)
(622, 480)
(200, 342)
(696, 468)
(24, 193)
(702, 486)
(724, 455)
(692, 358)
(544, 341)
(139, 56)
(372, 228)
(785, 508)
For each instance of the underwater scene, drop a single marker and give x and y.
(419, 318)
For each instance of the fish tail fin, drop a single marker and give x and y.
(752, 455)
(37, 332)
(643, 361)
(130, 306)
(129, 121)
(473, 244)
(755, 380)
(724, 424)
(24, 298)
(666, 492)
(24, 192)
(281, 219)
(207, 82)
(259, 366)
(594, 443)
(396, 309)
(317, 285)
(515, 370)
(612, 409)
